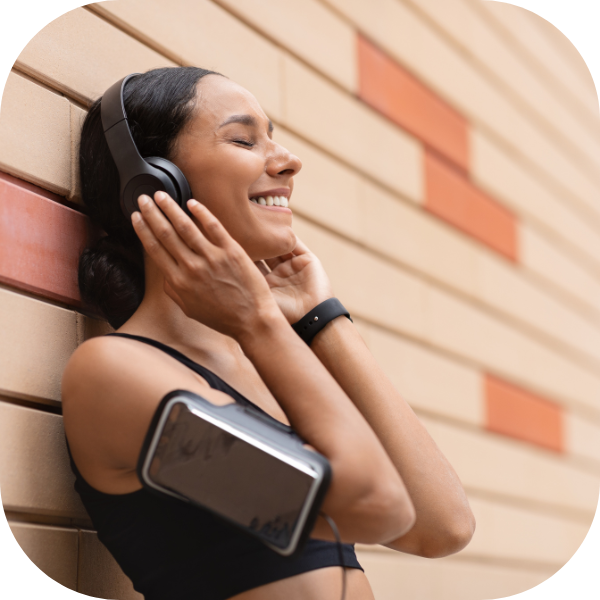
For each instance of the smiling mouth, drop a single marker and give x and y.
(271, 201)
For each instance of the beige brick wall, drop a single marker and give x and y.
(438, 309)
(417, 43)
(36, 134)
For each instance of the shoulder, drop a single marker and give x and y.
(110, 370)
(106, 368)
(104, 361)
(111, 388)
(92, 360)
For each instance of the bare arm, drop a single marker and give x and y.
(444, 522)
(318, 409)
(214, 281)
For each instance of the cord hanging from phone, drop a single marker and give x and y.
(338, 540)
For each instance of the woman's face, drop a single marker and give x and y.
(228, 157)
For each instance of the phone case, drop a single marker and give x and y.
(238, 464)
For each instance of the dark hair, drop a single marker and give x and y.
(159, 104)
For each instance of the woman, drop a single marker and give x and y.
(200, 313)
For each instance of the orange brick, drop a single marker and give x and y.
(41, 241)
(517, 413)
(452, 197)
(395, 93)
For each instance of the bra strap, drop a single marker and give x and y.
(211, 378)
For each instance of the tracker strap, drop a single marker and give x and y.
(316, 319)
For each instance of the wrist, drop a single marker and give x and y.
(316, 319)
(266, 323)
(334, 333)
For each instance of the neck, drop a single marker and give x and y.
(158, 317)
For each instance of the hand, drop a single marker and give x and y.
(207, 273)
(298, 282)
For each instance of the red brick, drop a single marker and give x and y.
(41, 241)
(398, 95)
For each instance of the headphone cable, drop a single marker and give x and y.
(338, 540)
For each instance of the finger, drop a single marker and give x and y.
(182, 224)
(162, 229)
(274, 262)
(215, 232)
(301, 247)
(152, 246)
(260, 264)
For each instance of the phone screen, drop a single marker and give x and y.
(240, 479)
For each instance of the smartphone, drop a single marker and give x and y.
(238, 464)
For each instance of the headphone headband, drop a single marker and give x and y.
(113, 104)
(137, 175)
(118, 135)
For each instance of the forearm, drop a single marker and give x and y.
(316, 405)
(367, 497)
(443, 518)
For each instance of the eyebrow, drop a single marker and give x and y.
(244, 120)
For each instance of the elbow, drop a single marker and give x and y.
(387, 513)
(450, 539)
(459, 534)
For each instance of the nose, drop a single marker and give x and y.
(282, 162)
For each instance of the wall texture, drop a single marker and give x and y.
(451, 187)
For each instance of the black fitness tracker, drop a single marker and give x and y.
(316, 319)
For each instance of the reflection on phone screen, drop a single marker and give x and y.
(230, 476)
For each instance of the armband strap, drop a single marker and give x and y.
(314, 320)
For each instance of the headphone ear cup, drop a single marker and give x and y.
(182, 188)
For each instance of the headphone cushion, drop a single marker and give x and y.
(182, 187)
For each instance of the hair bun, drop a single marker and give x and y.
(111, 279)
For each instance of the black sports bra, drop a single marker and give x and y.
(173, 551)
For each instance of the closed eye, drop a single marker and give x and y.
(244, 143)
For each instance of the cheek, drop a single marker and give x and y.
(226, 177)
(242, 164)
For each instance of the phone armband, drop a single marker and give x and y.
(237, 463)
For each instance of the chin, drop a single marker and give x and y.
(282, 244)
(291, 242)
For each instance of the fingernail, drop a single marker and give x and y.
(136, 217)
(160, 196)
(192, 203)
(143, 200)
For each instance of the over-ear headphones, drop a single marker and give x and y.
(137, 175)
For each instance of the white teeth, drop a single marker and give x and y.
(271, 201)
